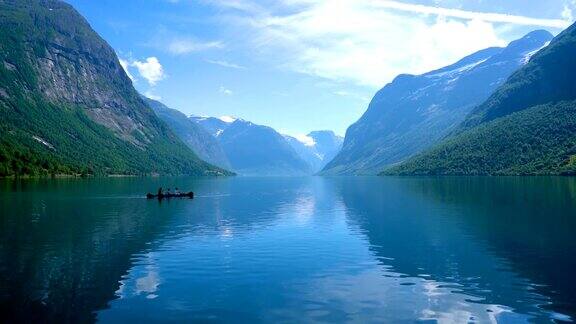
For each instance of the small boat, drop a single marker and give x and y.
(168, 196)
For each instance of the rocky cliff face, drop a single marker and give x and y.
(75, 66)
(69, 106)
(415, 112)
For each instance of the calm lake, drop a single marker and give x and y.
(366, 249)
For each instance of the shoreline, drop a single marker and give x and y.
(92, 176)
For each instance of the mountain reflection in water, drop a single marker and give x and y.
(289, 249)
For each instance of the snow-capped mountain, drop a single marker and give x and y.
(254, 149)
(214, 126)
(526, 127)
(192, 134)
(317, 148)
(414, 112)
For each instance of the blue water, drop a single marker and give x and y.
(449, 250)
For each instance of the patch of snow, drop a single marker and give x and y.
(457, 71)
(43, 141)
(529, 55)
(453, 80)
(306, 140)
(219, 132)
(199, 118)
(497, 82)
(433, 108)
(228, 119)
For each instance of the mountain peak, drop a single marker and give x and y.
(54, 65)
(539, 34)
(468, 61)
(414, 112)
(526, 127)
(528, 45)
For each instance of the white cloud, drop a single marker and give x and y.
(225, 91)
(150, 69)
(152, 96)
(343, 93)
(306, 140)
(357, 42)
(125, 65)
(365, 42)
(226, 64)
(238, 5)
(186, 46)
(471, 15)
(176, 43)
(228, 119)
(568, 12)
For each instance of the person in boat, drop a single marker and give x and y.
(168, 194)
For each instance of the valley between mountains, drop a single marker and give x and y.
(67, 107)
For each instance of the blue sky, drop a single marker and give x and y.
(301, 65)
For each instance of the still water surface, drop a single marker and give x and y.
(452, 250)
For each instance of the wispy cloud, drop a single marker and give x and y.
(226, 64)
(568, 12)
(177, 43)
(225, 91)
(353, 41)
(246, 6)
(352, 95)
(187, 46)
(365, 42)
(470, 15)
(151, 95)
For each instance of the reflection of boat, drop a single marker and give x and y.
(168, 196)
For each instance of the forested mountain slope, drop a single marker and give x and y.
(415, 112)
(192, 134)
(68, 107)
(528, 126)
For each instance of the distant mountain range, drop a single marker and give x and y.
(260, 150)
(317, 149)
(415, 112)
(214, 126)
(526, 127)
(193, 135)
(68, 107)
